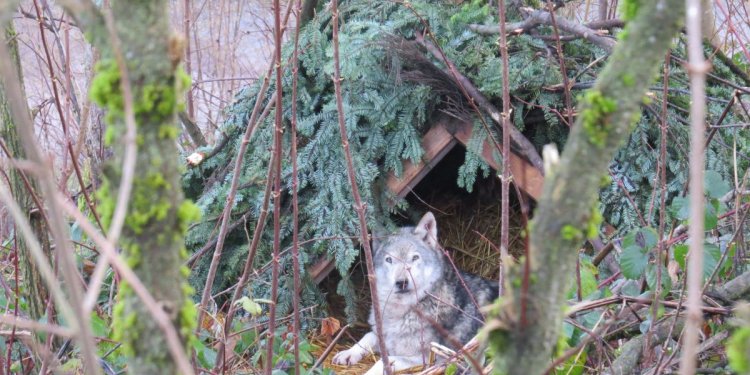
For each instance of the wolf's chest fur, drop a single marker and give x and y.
(447, 313)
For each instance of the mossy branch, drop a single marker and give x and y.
(607, 116)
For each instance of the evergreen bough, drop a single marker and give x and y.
(387, 113)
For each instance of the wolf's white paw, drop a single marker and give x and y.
(376, 369)
(350, 356)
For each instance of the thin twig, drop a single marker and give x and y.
(277, 144)
(506, 177)
(697, 68)
(328, 349)
(233, 186)
(359, 206)
(64, 253)
(296, 324)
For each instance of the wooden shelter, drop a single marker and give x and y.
(444, 135)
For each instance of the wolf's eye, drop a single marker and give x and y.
(415, 258)
(388, 259)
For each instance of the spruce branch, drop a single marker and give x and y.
(520, 142)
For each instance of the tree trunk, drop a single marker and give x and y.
(152, 237)
(530, 320)
(35, 292)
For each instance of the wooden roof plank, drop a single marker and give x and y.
(437, 142)
(525, 175)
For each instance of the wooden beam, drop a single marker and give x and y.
(437, 142)
(525, 176)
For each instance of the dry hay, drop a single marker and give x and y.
(360, 368)
(471, 232)
(446, 355)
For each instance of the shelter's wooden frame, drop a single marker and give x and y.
(442, 137)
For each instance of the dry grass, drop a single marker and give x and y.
(471, 232)
(438, 367)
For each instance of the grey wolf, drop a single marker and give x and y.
(422, 299)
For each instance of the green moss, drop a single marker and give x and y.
(132, 254)
(622, 35)
(184, 271)
(106, 206)
(188, 317)
(123, 324)
(105, 87)
(630, 9)
(183, 80)
(143, 209)
(109, 136)
(571, 233)
(187, 213)
(168, 132)
(595, 221)
(596, 116)
(158, 102)
(628, 80)
(738, 350)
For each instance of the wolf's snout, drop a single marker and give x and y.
(402, 285)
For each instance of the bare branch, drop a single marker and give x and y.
(89, 19)
(359, 206)
(543, 17)
(697, 68)
(64, 253)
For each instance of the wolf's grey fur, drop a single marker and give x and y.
(422, 298)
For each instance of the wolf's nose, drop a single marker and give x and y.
(402, 285)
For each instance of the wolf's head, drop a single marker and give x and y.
(408, 263)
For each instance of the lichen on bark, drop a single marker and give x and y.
(152, 239)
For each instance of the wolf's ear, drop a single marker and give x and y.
(426, 230)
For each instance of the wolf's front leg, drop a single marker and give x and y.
(367, 344)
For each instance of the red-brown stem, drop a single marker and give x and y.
(257, 233)
(278, 134)
(662, 204)
(561, 58)
(358, 205)
(187, 20)
(329, 348)
(579, 290)
(26, 184)
(226, 214)
(61, 113)
(224, 228)
(16, 273)
(295, 201)
(505, 180)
